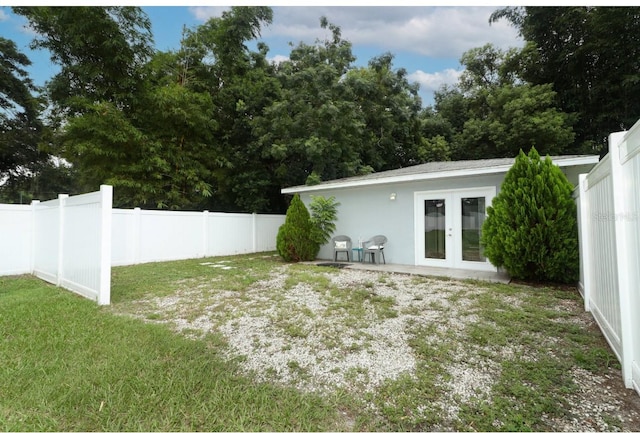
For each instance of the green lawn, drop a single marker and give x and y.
(70, 365)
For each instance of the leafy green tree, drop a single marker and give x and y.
(100, 51)
(314, 126)
(591, 56)
(493, 113)
(21, 129)
(103, 107)
(45, 181)
(332, 120)
(389, 106)
(451, 111)
(139, 122)
(488, 67)
(531, 227)
(170, 129)
(440, 124)
(324, 213)
(296, 240)
(158, 158)
(434, 149)
(242, 83)
(517, 117)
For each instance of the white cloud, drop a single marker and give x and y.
(422, 38)
(277, 59)
(27, 29)
(431, 82)
(203, 13)
(427, 31)
(440, 32)
(18, 23)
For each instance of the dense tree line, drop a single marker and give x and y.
(215, 125)
(591, 56)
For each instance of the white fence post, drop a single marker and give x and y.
(32, 260)
(106, 204)
(136, 235)
(617, 181)
(254, 233)
(205, 233)
(630, 160)
(60, 270)
(585, 240)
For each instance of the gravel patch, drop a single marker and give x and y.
(304, 336)
(338, 356)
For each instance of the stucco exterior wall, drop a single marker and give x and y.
(367, 211)
(573, 172)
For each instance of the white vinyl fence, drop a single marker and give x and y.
(73, 241)
(16, 237)
(608, 200)
(141, 236)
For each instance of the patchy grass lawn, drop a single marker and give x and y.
(250, 343)
(69, 365)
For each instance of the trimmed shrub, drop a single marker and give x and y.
(296, 241)
(531, 228)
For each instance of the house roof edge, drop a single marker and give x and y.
(502, 166)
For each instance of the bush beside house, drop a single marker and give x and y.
(531, 228)
(324, 213)
(297, 240)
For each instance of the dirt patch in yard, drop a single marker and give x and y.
(368, 333)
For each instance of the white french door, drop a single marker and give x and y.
(448, 228)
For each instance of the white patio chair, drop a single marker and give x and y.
(375, 248)
(341, 244)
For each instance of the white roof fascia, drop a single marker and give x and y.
(578, 160)
(397, 179)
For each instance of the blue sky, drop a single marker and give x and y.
(426, 40)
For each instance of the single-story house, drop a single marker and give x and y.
(431, 213)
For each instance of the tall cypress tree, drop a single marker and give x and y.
(531, 229)
(296, 240)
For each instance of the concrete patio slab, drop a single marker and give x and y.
(428, 271)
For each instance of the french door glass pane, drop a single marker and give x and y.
(434, 227)
(473, 213)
